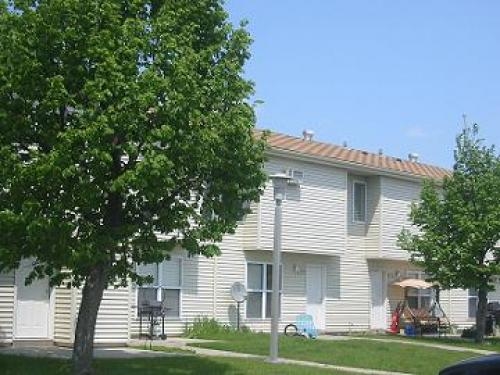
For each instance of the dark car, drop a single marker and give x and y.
(487, 365)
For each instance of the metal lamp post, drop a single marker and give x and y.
(280, 182)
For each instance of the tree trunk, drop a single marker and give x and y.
(83, 348)
(482, 305)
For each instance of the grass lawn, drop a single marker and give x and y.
(192, 365)
(391, 356)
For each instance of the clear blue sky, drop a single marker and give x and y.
(396, 75)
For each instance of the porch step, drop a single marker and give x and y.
(32, 343)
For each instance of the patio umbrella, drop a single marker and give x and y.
(413, 283)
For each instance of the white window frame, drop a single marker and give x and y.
(159, 287)
(297, 176)
(264, 291)
(354, 219)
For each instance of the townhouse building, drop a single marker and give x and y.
(341, 217)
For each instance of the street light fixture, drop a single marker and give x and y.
(280, 182)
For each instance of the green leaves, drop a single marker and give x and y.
(120, 121)
(459, 222)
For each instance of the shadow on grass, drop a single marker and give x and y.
(186, 365)
(17, 365)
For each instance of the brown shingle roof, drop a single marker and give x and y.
(343, 155)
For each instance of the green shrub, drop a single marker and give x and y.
(204, 327)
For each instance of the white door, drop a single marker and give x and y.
(315, 290)
(32, 308)
(378, 313)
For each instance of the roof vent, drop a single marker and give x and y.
(413, 156)
(308, 135)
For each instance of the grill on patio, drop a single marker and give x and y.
(152, 311)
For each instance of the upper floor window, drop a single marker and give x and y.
(166, 285)
(259, 285)
(359, 201)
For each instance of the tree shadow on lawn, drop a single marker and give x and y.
(187, 365)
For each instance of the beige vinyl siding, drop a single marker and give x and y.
(249, 227)
(198, 288)
(456, 306)
(64, 316)
(397, 196)
(313, 213)
(112, 326)
(6, 306)
(351, 310)
(231, 268)
(455, 302)
(374, 208)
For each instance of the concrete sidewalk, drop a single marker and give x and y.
(136, 350)
(179, 343)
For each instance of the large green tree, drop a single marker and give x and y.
(120, 120)
(459, 223)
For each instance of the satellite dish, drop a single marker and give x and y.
(238, 292)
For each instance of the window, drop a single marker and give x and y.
(418, 298)
(359, 202)
(259, 285)
(296, 175)
(166, 285)
(472, 297)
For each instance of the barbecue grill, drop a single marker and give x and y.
(152, 311)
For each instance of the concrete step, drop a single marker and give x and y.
(32, 343)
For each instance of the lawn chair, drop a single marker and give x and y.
(304, 326)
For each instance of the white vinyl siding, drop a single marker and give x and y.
(113, 317)
(6, 306)
(313, 220)
(64, 315)
(112, 325)
(318, 228)
(350, 310)
(397, 197)
(374, 208)
(248, 227)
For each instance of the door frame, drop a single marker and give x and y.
(50, 314)
(323, 293)
(381, 277)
